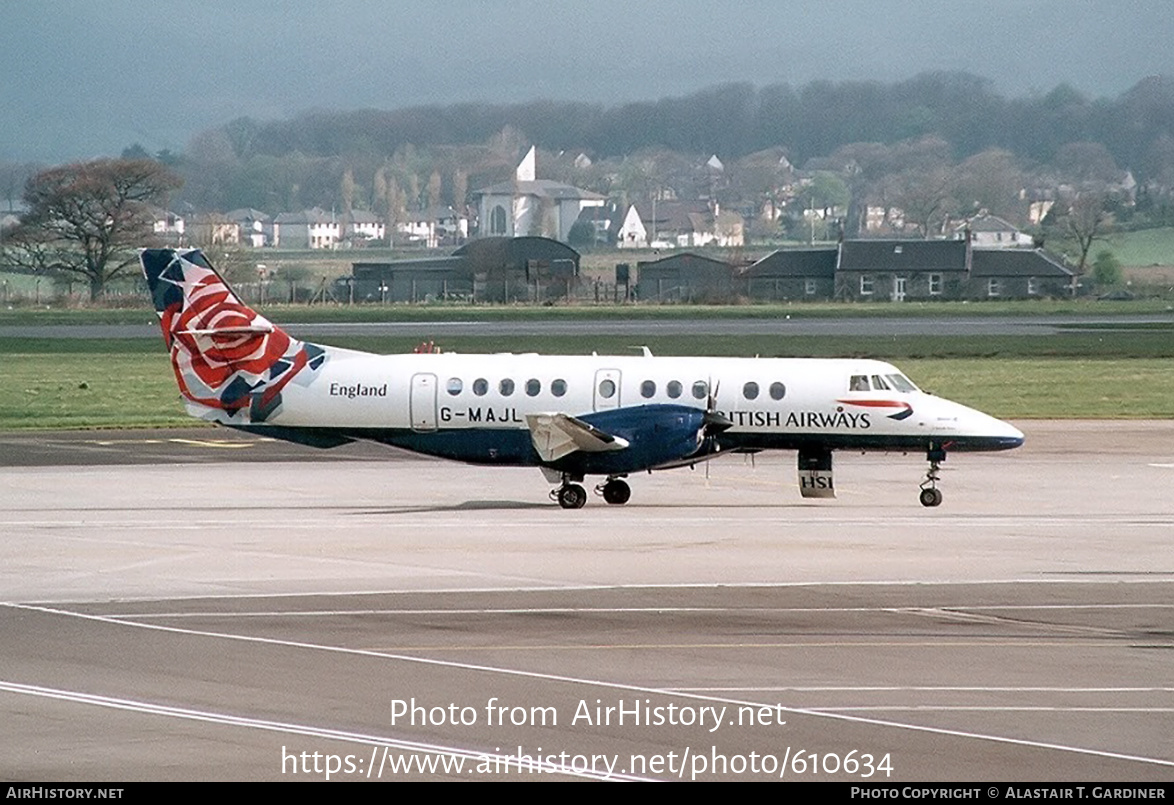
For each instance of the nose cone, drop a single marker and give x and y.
(1007, 436)
(984, 432)
(969, 429)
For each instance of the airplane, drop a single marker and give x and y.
(570, 416)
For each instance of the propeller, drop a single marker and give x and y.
(714, 422)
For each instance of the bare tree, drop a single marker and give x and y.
(346, 190)
(989, 181)
(1086, 222)
(87, 219)
(434, 189)
(925, 198)
(460, 190)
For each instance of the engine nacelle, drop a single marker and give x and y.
(657, 435)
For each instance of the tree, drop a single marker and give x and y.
(434, 189)
(1086, 222)
(460, 190)
(1106, 269)
(824, 193)
(925, 198)
(989, 181)
(87, 219)
(346, 191)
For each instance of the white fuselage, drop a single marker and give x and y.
(762, 397)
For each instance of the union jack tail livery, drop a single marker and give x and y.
(231, 363)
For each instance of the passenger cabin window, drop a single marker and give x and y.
(454, 386)
(506, 387)
(480, 386)
(777, 391)
(533, 386)
(673, 389)
(858, 383)
(607, 388)
(750, 391)
(558, 387)
(700, 389)
(648, 389)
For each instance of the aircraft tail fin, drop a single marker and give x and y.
(231, 362)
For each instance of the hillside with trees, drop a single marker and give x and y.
(935, 145)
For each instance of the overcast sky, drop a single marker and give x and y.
(85, 78)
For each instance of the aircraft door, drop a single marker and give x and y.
(607, 389)
(422, 402)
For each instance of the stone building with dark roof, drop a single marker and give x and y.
(792, 274)
(1017, 274)
(902, 270)
(907, 270)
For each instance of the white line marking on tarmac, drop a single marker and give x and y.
(326, 613)
(603, 684)
(1133, 577)
(924, 689)
(543, 518)
(295, 729)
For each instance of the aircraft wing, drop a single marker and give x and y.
(558, 435)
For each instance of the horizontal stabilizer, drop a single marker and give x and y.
(558, 435)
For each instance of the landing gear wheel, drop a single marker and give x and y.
(617, 492)
(572, 496)
(931, 497)
(930, 494)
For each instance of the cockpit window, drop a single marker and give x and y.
(858, 383)
(901, 383)
(878, 384)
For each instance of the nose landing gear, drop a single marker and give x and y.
(930, 494)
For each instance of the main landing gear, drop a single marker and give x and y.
(930, 494)
(571, 495)
(615, 491)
